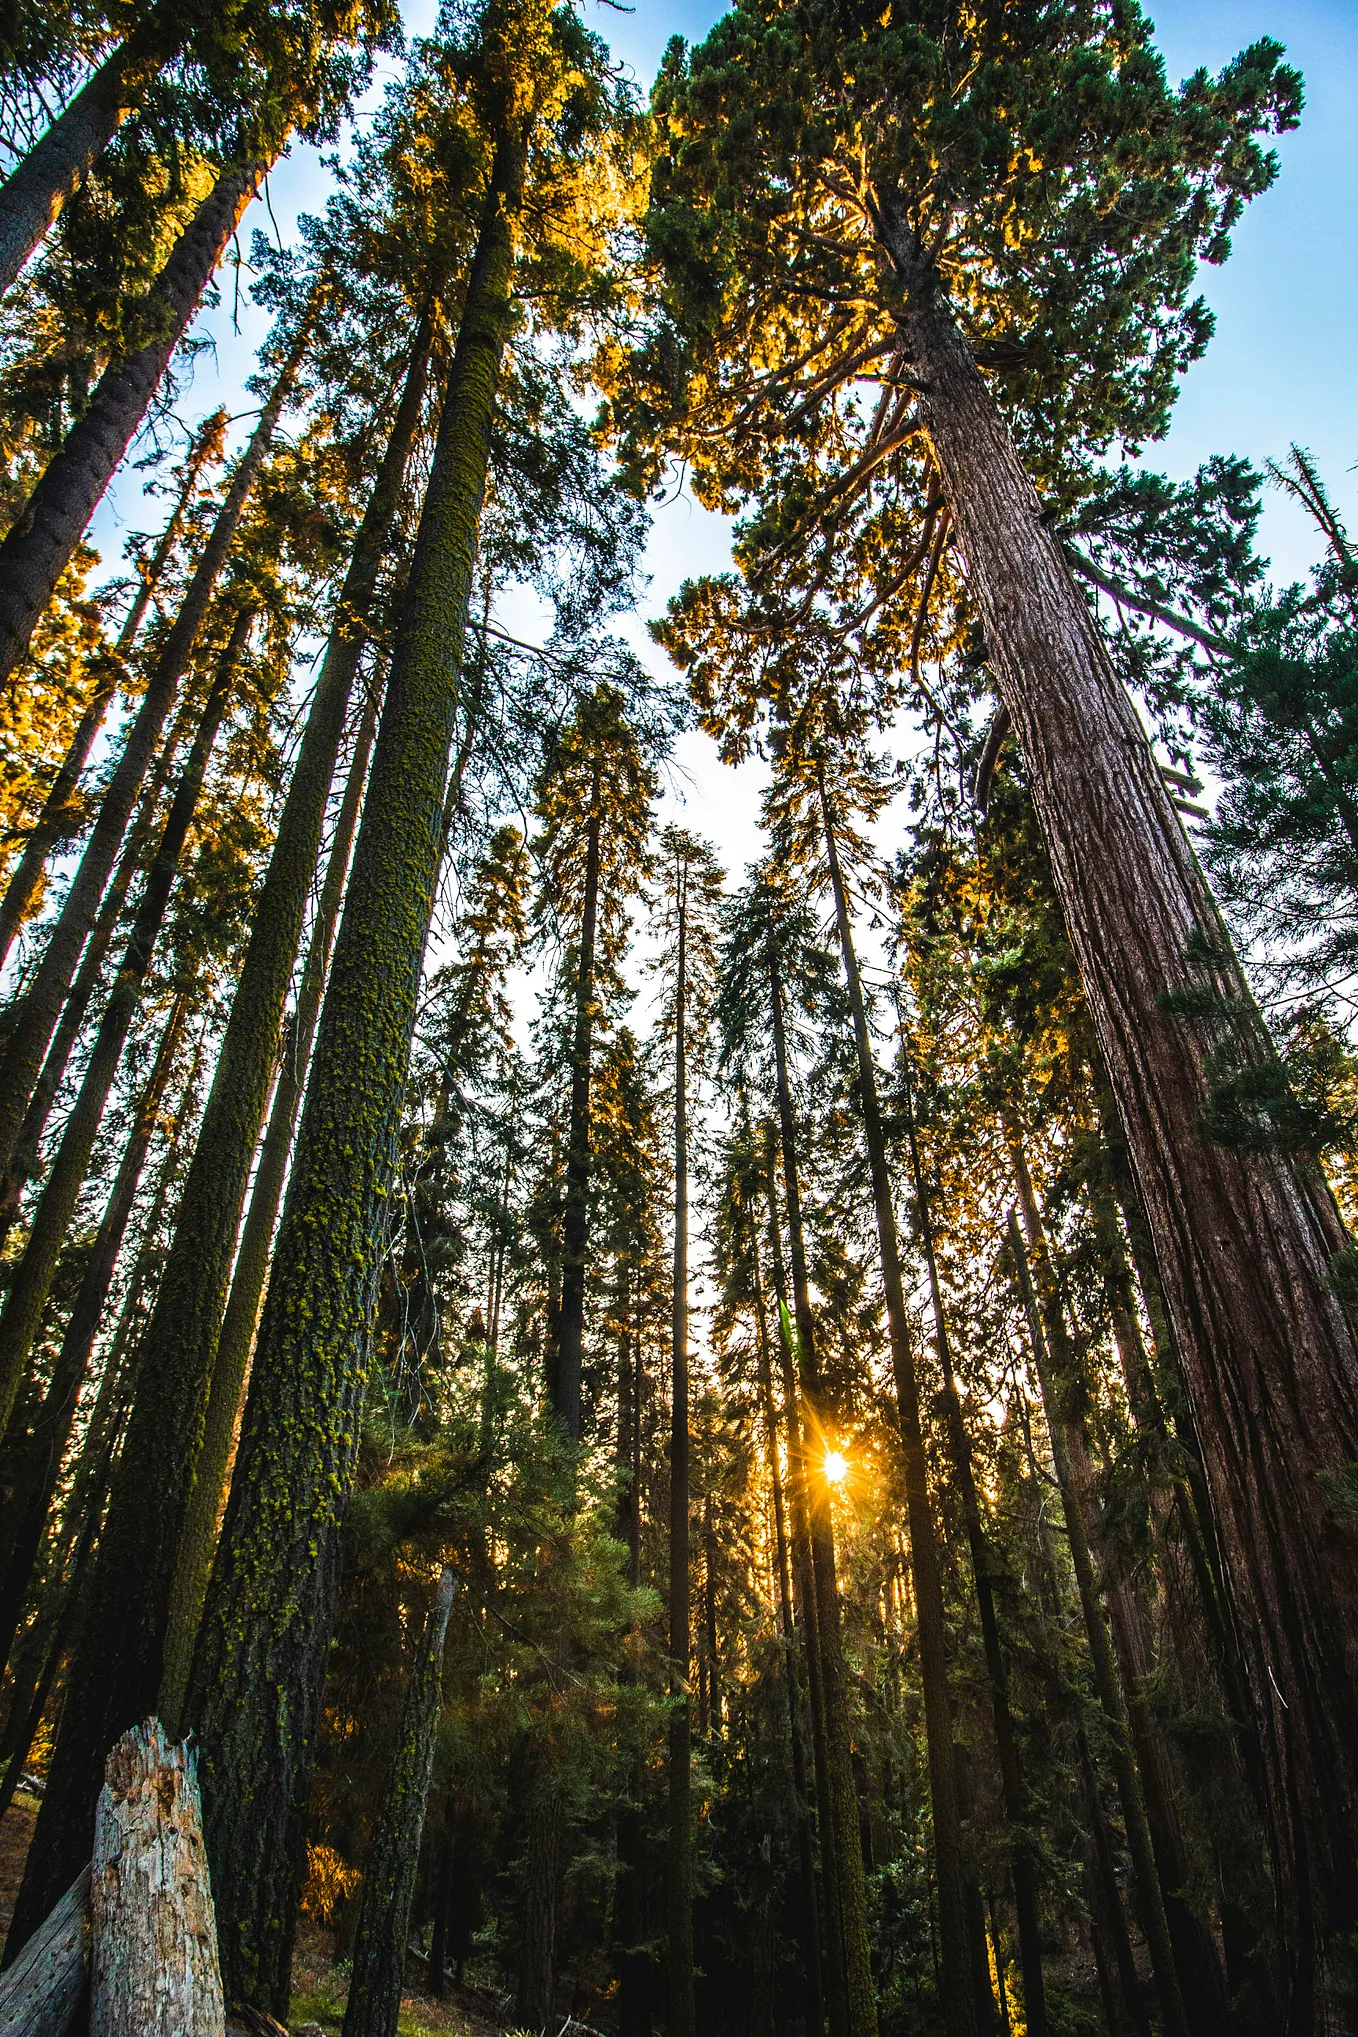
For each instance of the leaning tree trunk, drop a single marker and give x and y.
(860, 1990)
(1242, 1248)
(41, 541)
(56, 819)
(176, 1363)
(255, 1687)
(36, 1019)
(679, 1964)
(40, 1995)
(44, 1448)
(1107, 1687)
(240, 1318)
(567, 1366)
(57, 165)
(393, 1858)
(960, 2006)
(91, 1720)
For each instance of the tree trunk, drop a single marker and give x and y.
(153, 1953)
(36, 1018)
(52, 1218)
(860, 1992)
(57, 165)
(55, 820)
(44, 1448)
(389, 1872)
(832, 1938)
(535, 1998)
(1243, 1253)
(93, 1718)
(260, 1659)
(959, 2005)
(240, 1319)
(41, 541)
(1017, 1815)
(1107, 1686)
(679, 1965)
(566, 1375)
(40, 1994)
(176, 1366)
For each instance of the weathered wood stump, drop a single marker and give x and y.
(40, 1993)
(154, 1970)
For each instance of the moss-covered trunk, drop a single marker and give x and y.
(240, 1318)
(389, 1871)
(42, 540)
(851, 1884)
(255, 1688)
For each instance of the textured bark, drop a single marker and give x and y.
(262, 1646)
(679, 1965)
(961, 2005)
(1107, 1686)
(28, 1037)
(393, 1858)
(851, 1886)
(1242, 1247)
(629, 1902)
(40, 1994)
(535, 1996)
(153, 1953)
(44, 1447)
(566, 1372)
(94, 1715)
(177, 1362)
(58, 164)
(40, 543)
(240, 1319)
(58, 816)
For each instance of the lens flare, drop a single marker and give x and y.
(836, 1466)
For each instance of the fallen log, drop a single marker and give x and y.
(40, 1993)
(153, 1967)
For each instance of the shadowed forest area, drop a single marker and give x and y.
(768, 1451)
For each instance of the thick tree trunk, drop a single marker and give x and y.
(44, 1447)
(566, 1371)
(41, 541)
(240, 1319)
(389, 1871)
(153, 1952)
(176, 1364)
(92, 1718)
(56, 821)
(58, 164)
(1107, 1686)
(860, 1992)
(28, 1038)
(1243, 1253)
(960, 2007)
(260, 1660)
(679, 1963)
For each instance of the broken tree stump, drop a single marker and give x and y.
(40, 1993)
(153, 1968)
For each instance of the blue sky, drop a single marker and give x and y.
(1280, 368)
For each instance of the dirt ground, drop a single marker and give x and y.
(16, 1829)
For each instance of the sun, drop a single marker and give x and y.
(836, 1466)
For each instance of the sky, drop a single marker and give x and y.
(1280, 368)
